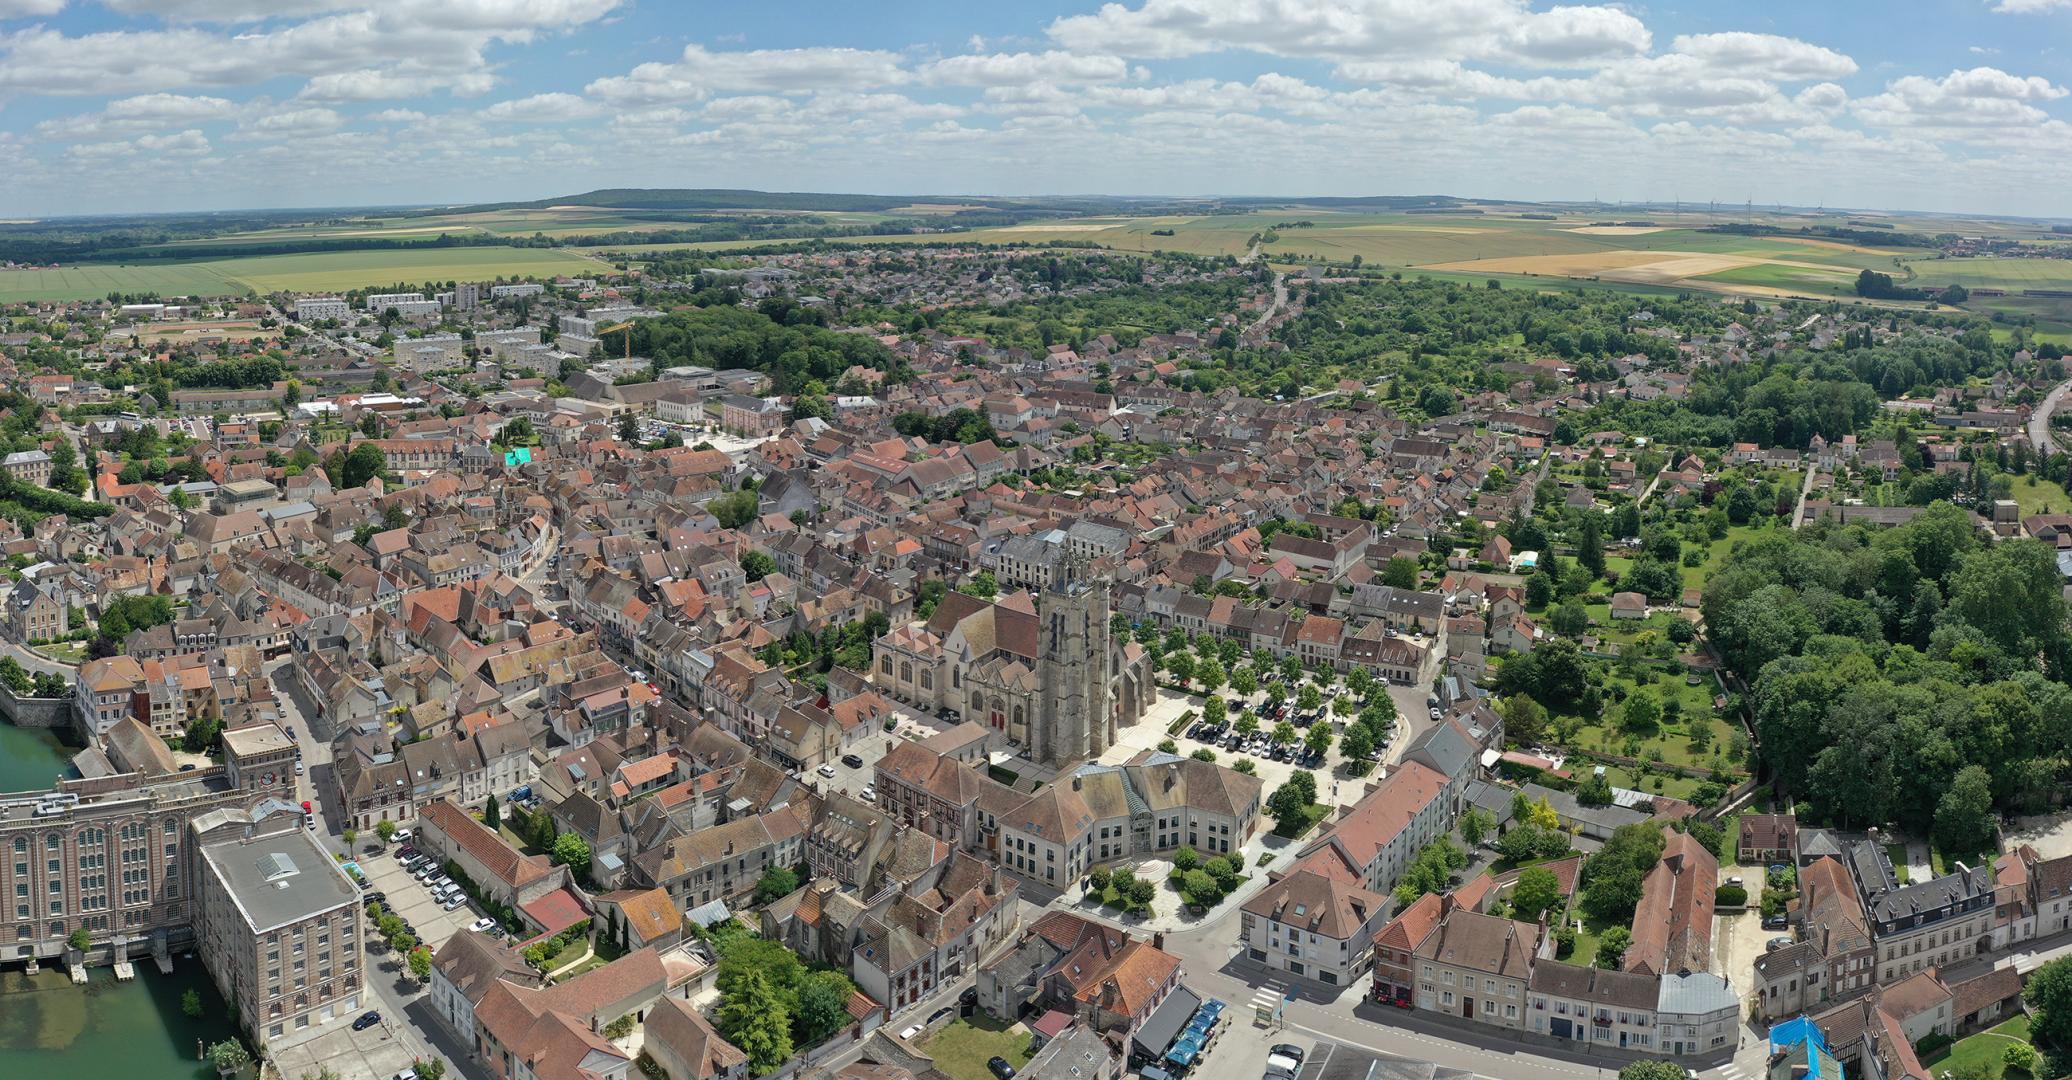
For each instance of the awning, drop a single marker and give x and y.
(1185, 1051)
(1166, 1022)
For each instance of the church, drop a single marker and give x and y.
(1043, 670)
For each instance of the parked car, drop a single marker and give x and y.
(827, 771)
(999, 1067)
(454, 901)
(1775, 922)
(482, 925)
(367, 1020)
(298, 768)
(407, 1074)
(1776, 943)
(1287, 1050)
(854, 761)
(868, 794)
(403, 835)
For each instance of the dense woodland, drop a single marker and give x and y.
(1913, 674)
(783, 340)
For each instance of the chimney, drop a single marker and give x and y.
(1158, 940)
(1075, 782)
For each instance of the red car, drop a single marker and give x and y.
(305, 806)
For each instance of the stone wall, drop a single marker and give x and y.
(28, 712)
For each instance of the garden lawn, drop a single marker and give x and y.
(1601, 734)
(2036, 495)
(963, 1048)
(1295, 828)
(1694, 576)
(1983, 1048)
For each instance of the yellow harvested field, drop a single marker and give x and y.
(1617, 230)
(1450, 229)
(1640, 267)
(1062, 226)
(1573, 264)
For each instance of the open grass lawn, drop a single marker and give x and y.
(2036, 495)
(1983, 1049)
(963, 1048)
(64, 652)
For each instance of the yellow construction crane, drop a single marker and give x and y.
(626, 326)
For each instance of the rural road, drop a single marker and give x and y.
(2039, 421)
(1280, 296)
(1798, 513)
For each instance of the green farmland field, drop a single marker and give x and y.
(313, 272)
(2013, 275)
(357, 269)
(93, 282)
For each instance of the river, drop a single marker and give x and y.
(31, 759)
(128, 1030)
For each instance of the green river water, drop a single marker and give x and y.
(120, 1030)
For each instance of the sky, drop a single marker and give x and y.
(121, 106)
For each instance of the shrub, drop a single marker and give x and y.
(1730, 896)
(1097, 878)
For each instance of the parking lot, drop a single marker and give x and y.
(409, 898)
(374, 1054)
(1334, 785)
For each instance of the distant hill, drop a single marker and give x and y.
(746, 199)
(737, 199)
(1357, 202)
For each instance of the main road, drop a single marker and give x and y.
(2039, 420)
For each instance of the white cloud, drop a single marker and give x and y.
(24, 9)
(543, 109)
(1963, 105)
(1007, 69)
(2030, 7)
(700, 72)
(144, 112)
(1357, 30)
(394, 49)
(293, 121)
(1766, 55)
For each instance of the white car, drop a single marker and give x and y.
(827, 771)
(457, 900)
(482, 925)
(298, 768)
(869, 794)
(402, 836)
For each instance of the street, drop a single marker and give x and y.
(2039, 421)
(408, 1029)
